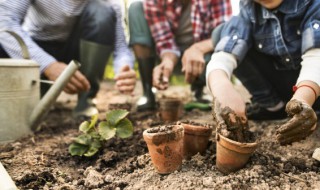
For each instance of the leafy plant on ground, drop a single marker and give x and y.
(94, 132)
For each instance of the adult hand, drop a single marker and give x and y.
(161, 74)
(76, 84)
(193, 63)
(126, 80)
(300, 126)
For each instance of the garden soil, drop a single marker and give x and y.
(42, 161)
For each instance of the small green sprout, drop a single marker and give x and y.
(89, 143)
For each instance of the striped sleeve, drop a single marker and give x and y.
(12, 13)
(122, 53)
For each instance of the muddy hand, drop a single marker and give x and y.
(229, 124)
(300, 126)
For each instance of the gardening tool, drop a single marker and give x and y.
(21, 109)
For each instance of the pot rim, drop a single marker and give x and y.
(176, 128)
(7, 62)
(197, 129)
(170, 101)
(236, 146)
(159, 138)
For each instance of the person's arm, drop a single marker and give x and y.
(122, 54)
(159, 26)
(309, 76)
(304, 119)
(12, 14)
(123, 58)
(164, 40)
(219, 71)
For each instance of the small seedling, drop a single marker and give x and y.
(94, 133)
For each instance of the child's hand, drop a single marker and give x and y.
(302, 124)
(229, 123)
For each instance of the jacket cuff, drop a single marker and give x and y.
(310, 69)
(221, 61)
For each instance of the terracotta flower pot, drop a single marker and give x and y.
(196, 138)
(232, 155)
(170, 109)
(165, 145)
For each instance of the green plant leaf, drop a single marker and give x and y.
(106, 131)
(93, 121)
(114, 116)
(78, 149)
(84, 126)
(93, 149)
(94, 135)
(84, 139)
(124, 128)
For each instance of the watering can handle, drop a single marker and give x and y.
(24, 48)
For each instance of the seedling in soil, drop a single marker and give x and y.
(94, 132)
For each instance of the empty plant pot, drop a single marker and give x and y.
(165, 145)
(170, 109)
(232, 155)
(196, 138)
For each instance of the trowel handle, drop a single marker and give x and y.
(24, 48)
(50, 97)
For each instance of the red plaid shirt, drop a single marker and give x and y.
(163, 19)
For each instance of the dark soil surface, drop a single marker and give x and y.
(42, 161)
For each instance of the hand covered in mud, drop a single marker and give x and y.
(229, 124)
(300, 126)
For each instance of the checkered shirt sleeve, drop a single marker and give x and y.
(163, 18)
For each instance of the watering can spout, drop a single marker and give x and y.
(50, 97)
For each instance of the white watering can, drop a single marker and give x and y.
(21, 109)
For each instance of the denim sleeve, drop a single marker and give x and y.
(311, 28)
(236, 37)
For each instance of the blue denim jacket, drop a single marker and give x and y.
(284, 33)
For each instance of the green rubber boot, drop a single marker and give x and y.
(147, 102)
(93, 59)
